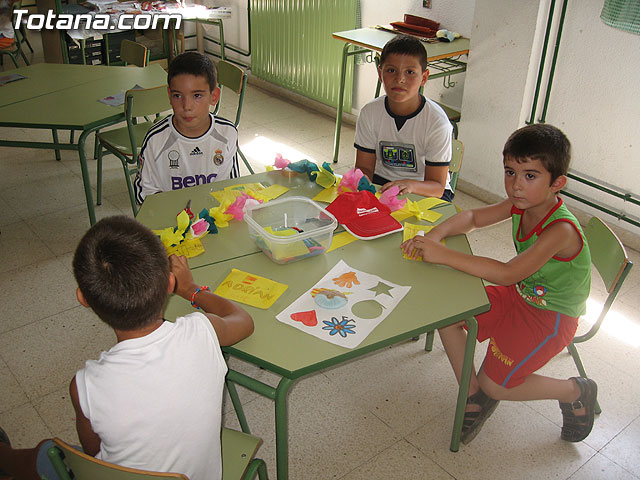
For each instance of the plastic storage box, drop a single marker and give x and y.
(291, 228)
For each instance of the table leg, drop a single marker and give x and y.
(465, 377)
(343, 74)
(282, 429)
(85, 174)
(222, 46)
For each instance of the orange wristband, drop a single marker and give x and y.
(203, 288)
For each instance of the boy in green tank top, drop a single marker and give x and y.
(539, 294)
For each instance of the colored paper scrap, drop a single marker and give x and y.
(189, 248)
(340, 240)
(419, 209)
(430, 202)
(324, 176)
(244, 187)
(250, 289)
(327, 195)
(410, 231)
(269, 193)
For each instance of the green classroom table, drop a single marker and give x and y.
(65, 97)
(291, 353)
(441, 57)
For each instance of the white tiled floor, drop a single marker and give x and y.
(385, 416)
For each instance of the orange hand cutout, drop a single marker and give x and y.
(346, 280)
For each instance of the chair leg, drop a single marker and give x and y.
(96, 145)
(258, 466)
(23, 31)
(246, 162)
(54, 132)
(127, 177)
(99, 176)
(578, 361)
(428, 344)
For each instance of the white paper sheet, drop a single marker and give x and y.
(344, 306)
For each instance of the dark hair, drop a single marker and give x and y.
(540, 142)
(122, 270)
(193, 63)
(405, 45)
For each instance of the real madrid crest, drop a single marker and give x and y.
(218, 158)
(173, 159)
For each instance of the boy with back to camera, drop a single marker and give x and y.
(154, 400)
(191, 146)
(403, 138)
(541, 292)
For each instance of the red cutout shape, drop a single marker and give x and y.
(308, 318)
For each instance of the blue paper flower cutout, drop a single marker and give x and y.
(342, 327)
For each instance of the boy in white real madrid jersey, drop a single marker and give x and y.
(403, 138)
(191, 146)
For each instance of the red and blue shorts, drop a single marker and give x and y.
(522, 338)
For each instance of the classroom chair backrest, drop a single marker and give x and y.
(143, 102)
(134, 53)
(238, 462)
(610, 258)
(456, 162)
(233, 78)
(70, 463)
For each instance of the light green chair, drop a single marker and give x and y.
(610, 259)
(15, 49)
(238, 462)
(457, 149)
(134, 53)
(232, 78)
(126, 142)
(454, 117)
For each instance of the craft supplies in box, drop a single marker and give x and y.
(291, 228)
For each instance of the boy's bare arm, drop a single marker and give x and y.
(366, 162)
(469, 220)
(433, 185)
(230, 321)
(558, 239)
(89, 440)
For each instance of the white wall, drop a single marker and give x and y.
(594, 98)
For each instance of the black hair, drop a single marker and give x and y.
(405, 45)
(122, 270)
(542, 142)
(193, 63)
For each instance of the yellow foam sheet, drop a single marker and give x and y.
(189, 248)
(340, 240)
(327, 195)
(250, 289)
(410, 231)
(420, 210)
(274, 191)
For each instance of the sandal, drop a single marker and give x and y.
(473, 421)
(576, 428)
